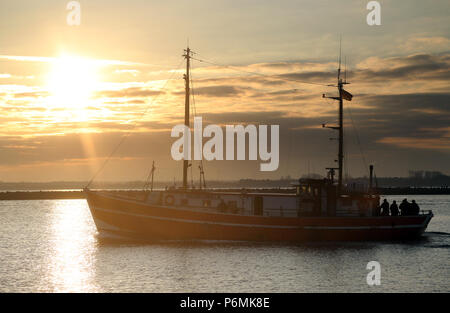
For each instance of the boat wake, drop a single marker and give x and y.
(437, 233)
(439, 246)
(437, 240)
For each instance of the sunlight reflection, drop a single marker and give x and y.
(74, 248)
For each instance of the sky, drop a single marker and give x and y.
(70, 94)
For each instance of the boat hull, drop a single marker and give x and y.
(132, 219)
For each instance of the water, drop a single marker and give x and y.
(52, 246)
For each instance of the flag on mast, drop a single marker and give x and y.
(346, 95)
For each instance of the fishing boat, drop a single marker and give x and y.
(312, 210)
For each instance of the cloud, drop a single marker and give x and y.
(219, 91)
(418, 143)
(315, 76)
(399, 110)
(127, 71)
(128, 93)
(426, 43)
(33, 94)
(414, 67)
(249, 117)
(40, 59)
(22, 58)
(403, 103)
(10, 76)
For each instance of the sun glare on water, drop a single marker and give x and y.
(71, 82)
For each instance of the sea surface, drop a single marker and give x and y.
(53, 246)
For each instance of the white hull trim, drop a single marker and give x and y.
(196, 222)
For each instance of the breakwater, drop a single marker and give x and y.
(414, 190)
(78, 194)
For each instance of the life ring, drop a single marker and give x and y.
(169, 200)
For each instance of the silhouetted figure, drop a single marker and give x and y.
(414, 208)
(404, 207)
(394, 208)
(385, 208)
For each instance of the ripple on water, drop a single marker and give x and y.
(52, 246)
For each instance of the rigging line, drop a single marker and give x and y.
(192, 92)
(263, 75)
(195, 112)
(133, 126)
(346, 169)
(357, 139)
(147, 180)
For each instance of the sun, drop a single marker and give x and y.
(71, 82)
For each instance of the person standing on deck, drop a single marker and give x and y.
(414, 208)
(404, 207)
(394, 208)
(385, 208)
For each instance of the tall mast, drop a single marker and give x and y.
(347, 96)
(187, 55)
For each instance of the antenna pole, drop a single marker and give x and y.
(341, 133)
(187, 55)
(347, 96)
(340, 58)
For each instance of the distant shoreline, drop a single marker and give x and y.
(414, 190)
(78, 194)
